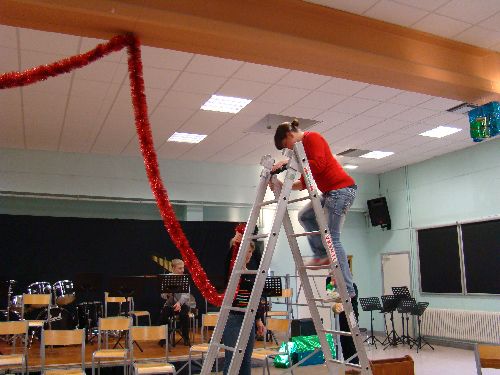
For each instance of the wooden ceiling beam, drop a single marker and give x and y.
(286, 33)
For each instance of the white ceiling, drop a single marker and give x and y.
(475, 22)
(90, 111)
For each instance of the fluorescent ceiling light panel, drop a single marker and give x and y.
(227, 104)
(350, 166)
(186, 137)
(377, 154)
(440, 132)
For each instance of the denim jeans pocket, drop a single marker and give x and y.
(339, 201)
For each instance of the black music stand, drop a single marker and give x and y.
(89, 285)
(173, 283)
(371, 304)
(405, 307)
(401, 292)
(127, 287)
(418, 310)
(389, 305)
(272, 288)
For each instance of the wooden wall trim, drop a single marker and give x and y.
(285, 33)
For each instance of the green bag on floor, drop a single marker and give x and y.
(301, 347)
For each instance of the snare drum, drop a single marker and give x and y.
(89, 314)
(64, 292)
(40, 287)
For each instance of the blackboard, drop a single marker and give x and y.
(439, 259)
(481, 247)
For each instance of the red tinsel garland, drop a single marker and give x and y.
(174, 229)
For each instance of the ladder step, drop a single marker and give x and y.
(222, 346)
(353, 365)
(333, 332)
(246, 272)
(239, 309)
(257, 236)
(267, 203)
(299, 199)
(324, 267)
(315, 233)
(327, 300)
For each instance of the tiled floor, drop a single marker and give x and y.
(441, 361)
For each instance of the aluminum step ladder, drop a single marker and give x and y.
(297, 165)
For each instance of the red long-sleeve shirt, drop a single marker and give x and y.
(326, 170)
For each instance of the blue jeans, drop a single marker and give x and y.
(229, 337)
(335, 203)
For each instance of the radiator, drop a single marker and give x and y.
(463, 325)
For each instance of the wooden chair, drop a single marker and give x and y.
(15, 328)
(207, 321)
(285, 293)
(487, 356)
(150, 333)
(38, 300)
(63, 338)
(117, 323)
(263, 354)
(136, 314)
(113, 300)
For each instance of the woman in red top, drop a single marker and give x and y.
(338, 188)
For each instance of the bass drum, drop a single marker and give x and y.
(13, 316)
(59, 318)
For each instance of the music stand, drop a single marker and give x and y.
(371, 304)
(401, 292)
(405, 307)
(174, 283)
(418, 310)
(389, 305)
(272, 288)
(89, 284)
(127, 287)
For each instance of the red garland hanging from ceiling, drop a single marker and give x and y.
(174, 229)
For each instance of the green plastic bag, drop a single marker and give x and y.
(285, 360)
(299, 348)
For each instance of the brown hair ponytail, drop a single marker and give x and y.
(282, 130)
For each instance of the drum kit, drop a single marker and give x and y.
(63, 312)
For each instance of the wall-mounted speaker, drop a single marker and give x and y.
(379, 212)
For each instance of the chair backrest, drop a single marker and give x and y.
(115, 323)
(148, 333)
(36, 299)
(278, 325)
(62, 337)
(110, 299)
(14, 328)
(287, 293)
(207, 321)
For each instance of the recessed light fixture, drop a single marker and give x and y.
(350, 166)
(377, 154)
(227, 104)
(440, 132)
(186, 137)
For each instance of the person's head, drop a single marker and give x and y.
(251, 248)
(287, 134)
(177, 266)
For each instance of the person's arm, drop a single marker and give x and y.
(183, 298)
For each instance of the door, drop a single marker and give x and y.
(396, 272)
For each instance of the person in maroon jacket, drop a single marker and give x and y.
(338, 188)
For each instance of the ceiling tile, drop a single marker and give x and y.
(334, 118)
(260, 108)
(47, 42)
(83, 110)
(159, 78)
(283, 95)
(415, 114)
(44, 108)
(241, 147)
(11, 129)
(165, 121)
(396, 13)
(8, 36)
(54, 85)
(75, 138)
(479, 36)
(165, 58)
(198, 83)
(240, 123)
(386, 110)
(301, 112)
(440, 104)
(172, 150)
(342, 86)
(303, 80)
(260, 73)
(428, 5)
(360, 123)
(390, 125)
(356, 7)
(179, 99)
(216, 66)
(441, 25)
(42, 134)
(9, 61)
(205, 122)
(444, 119)
(215, 142)
(89, 89)
(102, 71)
(416, 128)
(375, 92)
(383, 142)
(355, 105)
(470, 10)
(243, 89)
(320, 100)
(492, 23)
(410, 98)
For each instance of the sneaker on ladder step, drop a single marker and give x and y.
(317, 261)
